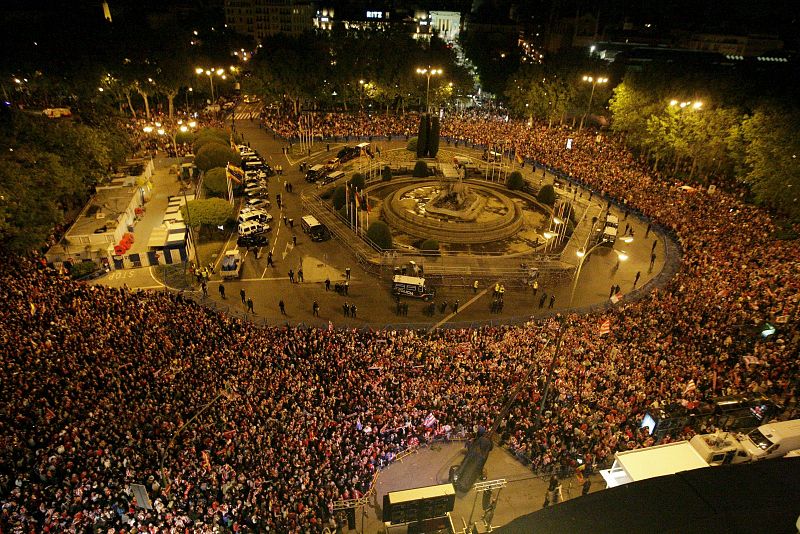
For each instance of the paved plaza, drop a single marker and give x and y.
(371, 295)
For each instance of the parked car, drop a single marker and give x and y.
(254, 190)
(250, 241)
(251, 228)
(257, 203)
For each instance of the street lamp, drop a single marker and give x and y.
(428, 72)
(210, 73)
(594, 80)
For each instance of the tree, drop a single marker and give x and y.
(339, 198)
(515, 181)
(771, 166)
(207, 212)
(357, 181)
(386, 174)
(380, 234)
(411, 146)
(216, 182)
(420, 169)
(215, 155)
(547, 195)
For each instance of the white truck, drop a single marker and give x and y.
(231, 264)
(772, 440)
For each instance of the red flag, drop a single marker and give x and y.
(605, 327)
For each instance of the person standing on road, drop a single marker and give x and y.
(353, 310)
(291, 275)
(636, 279)
(315, 309)
(347, 273)
(475, 287)
(535, 287)
(294, 240)
(250, 306)
(269, 259)
(346, 287)
(204, 287)
(552, 301)
(242, 294)
(652, 260)
(328, 283)
(542, 299)
(282, 307)
(300, 275)
(346, 309)
(222, 290)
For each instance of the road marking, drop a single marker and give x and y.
(466, 304)
(250, 279)
(289, 247)
(150, 271)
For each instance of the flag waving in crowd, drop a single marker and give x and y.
(430, 420)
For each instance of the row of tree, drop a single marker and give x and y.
(48, 169)
(706, 125)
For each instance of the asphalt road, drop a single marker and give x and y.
(375, 305)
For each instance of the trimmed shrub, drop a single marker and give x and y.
(430, 245)
(386, 174)
(216, 183)
(83, 268)
(201, 141)
(357, 180)
(422, 137)
(380, 234)
(339, 197)
(411, 146)
(218, 133)
(185, 138)
(433, 139)
(420, 170)
(215, 155)
(515, 182)
(547, 195)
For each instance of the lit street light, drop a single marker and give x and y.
(428, 72)
(210, 73)
(594, 81)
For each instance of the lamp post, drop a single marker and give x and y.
(428, 72)
(210, 73)
(594, 80)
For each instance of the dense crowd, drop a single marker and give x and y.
(97, 382)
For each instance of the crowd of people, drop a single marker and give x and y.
(263, 429)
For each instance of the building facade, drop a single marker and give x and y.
(265, 18)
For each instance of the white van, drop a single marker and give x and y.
(254, 215)
(252, 228)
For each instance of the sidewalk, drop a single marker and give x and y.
(164, 186)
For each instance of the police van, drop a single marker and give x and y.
(412, 286)
(315, 173)
(609, 235)
(250, 228)
(315, 229)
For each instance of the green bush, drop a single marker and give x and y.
(420, 170)
(217, 133)
(547, 195)
(216, 183)
(184, 138)
(412, 145)
(83, 268)
(515, 182)
(386, 174)
(430, 245)
(209, 212)
(339, 197)
(380, 234)
(357, 180)
(215, 155)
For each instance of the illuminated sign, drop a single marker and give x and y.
(374, 14)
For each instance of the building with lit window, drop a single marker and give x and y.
(264, 18)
